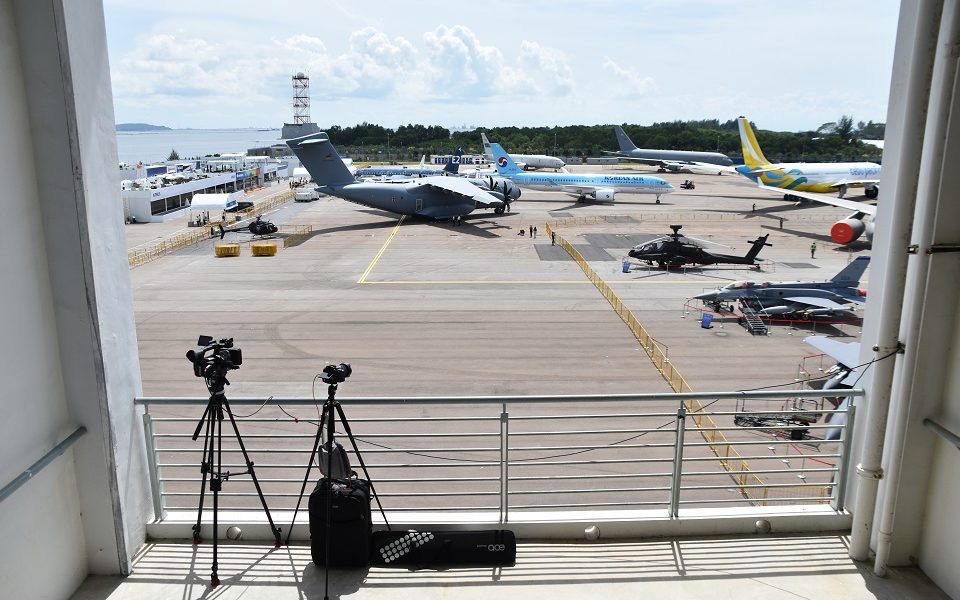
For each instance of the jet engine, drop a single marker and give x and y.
(504, 188)
(846, 231)
(603, 194)
(872, 191)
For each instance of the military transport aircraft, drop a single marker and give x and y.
(676, 161)
(804, 299)
(435, 197)
(676, 250)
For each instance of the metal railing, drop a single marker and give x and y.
(525, 454)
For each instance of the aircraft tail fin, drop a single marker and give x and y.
(752, 155)
(626, 144)
(453, 167)
(850, 275)
(486, 146)
(423, 161)
(502, 161)
(321, 160)
(758, 245)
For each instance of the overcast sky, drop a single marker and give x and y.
(786, 65)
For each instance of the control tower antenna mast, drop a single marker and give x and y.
(301, 99)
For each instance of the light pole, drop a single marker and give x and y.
(388, 147)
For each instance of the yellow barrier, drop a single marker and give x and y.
(298, 234)
(730, 458)
(222, 250)
(263, 249)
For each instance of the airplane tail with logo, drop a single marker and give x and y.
(752, 155)
(321, 160)
(502, 161)
(758, 245)
(851, 274)
(453, 167)
(626, 144)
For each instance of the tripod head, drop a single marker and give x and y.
(213, 359)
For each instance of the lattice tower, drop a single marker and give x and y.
(301, 99)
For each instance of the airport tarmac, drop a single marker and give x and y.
(422, 308)
(430, 309)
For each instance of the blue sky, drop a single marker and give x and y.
(786, 65)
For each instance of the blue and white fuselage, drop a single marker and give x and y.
(582, 185)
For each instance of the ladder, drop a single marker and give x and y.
(752, 321)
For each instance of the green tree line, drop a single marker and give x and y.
(840, 140)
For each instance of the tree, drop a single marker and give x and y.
(173, 155)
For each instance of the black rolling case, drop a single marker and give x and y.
(350, 526)
(444, 549)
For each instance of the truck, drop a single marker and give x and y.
(306, 194)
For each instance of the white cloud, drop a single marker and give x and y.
(628, 83)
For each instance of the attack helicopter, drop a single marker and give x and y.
(676, 250)
(258, 227)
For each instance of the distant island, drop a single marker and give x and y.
(140, 127)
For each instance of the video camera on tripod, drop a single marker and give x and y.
(214, 359)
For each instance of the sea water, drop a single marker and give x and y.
(155, 146)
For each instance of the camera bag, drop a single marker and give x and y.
(350, 524)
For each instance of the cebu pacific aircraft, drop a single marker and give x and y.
(804, 177)
(581, 185)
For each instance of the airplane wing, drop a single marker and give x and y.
(862, 207)
(820, 302)
(681, 165)
(855, 182)
(460, 187)
(578, 190)
(845, 353)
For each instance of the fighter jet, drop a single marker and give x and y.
(800, 299)
(432, 197)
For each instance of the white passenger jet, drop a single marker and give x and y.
(527, 161)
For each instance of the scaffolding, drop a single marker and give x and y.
(301, 99)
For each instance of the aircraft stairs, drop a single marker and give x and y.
(752, 321)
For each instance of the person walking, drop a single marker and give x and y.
(553, 238)
(535, 231)
(531, 231)
(813, 249)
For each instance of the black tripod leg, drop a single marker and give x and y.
(253, 474)
(328, 492)
(216, 481)
(205, 463)
(363, 465)
(306, 477)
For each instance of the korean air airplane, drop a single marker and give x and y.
(581, 185)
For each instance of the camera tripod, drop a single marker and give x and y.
(212, 462)
(332, 376)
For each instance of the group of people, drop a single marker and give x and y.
(532, 230)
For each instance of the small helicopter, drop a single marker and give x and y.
(676, 250)
(257, 227)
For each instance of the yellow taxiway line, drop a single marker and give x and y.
(373, 263)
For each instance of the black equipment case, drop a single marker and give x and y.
(350, 525)
(429, 549)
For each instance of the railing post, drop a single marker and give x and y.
(840, 487)
(677, 463)
(152, 464)
(504, 464)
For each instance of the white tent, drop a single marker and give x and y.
(214, 202)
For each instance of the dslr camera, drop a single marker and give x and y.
(214, 358)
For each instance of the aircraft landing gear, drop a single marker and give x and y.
(581, 199)
(658, 198)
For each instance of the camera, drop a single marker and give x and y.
(334, 374)
(214, 358)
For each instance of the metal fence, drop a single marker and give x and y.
(525, 454)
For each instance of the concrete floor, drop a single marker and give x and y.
(765, 568)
